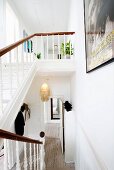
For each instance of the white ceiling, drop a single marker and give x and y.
(44, 15)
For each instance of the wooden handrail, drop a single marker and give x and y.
(8, 135)
(16, 44)
(12, 46)
(55, 33)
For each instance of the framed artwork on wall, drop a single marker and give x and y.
(99, 31)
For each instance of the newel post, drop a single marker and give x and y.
(42, 151)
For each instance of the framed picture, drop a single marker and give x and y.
(99, 30)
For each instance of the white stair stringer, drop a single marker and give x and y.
(14, 105)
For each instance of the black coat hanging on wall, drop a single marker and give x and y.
(19, 124)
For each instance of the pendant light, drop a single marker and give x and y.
(44, 92)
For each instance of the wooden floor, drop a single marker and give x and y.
(52, 130)
(54, 159)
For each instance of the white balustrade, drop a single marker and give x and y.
(18, 167)
(25, 156)
(70, 49)
(34, 156)
(37, 150)
(59, 53)
(9, 154)
(31, 160)
(5, 155)
(42, 47)
(42, 155)
(71, 46)
(64, 47)
(30, 157)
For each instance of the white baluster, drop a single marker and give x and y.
(25, 156)
(37, 156)
(41, 45)
(47, 46)
(5, 155)
(59, 53)
(72, 41)
(70, 47)
(73, 45)
(53, 45)
(34, 157)
(42, 155)
(30, 156)
(9, 154)
(1, 88)
(64, 47)
(17, 157)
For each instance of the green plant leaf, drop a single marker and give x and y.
(67, 49)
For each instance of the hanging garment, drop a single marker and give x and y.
(19, 124)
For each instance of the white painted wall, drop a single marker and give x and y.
(69, 127)
(2, 23)
(93, 103)
(22, 23)
(35, 124)
(73, 90)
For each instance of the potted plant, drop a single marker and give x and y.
(66, 49)
(38, 55)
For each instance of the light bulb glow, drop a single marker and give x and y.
(44, 92)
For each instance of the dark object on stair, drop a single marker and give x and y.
(19, 122)
(67, 106)
(42, 134)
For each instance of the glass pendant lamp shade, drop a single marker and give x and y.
(44, 92)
